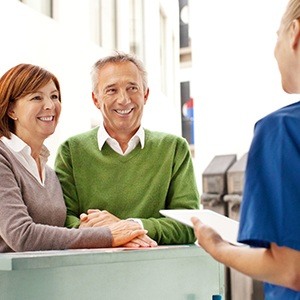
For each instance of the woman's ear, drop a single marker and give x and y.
(295, 34)
(11, 113)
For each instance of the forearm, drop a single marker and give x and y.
(167, 232)
(250, 261)
(276, 265)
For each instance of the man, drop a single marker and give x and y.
(120, 170)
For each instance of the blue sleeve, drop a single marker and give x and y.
(271, 199)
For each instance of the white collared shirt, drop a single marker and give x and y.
(23, 153)
(103, 137)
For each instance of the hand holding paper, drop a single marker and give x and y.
(224, 226)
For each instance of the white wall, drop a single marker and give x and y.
(29, 37)
(65, 48)
(162, 113)
(235, 79)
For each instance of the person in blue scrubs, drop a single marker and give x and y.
(270, 211)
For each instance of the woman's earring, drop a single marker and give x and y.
(11, 115)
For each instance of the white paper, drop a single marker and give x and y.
(226, 227)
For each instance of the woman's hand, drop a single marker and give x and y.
(100, 218)
(207, 237)
(141, 241)
(125, 231)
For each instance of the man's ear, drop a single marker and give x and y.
(146, 95)
(95, 100)
(295, 34)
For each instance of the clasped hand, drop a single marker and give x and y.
(97, 218)
(125, 233)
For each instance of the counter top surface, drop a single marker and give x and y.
(64, 258)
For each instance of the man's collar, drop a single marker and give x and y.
(103, 136)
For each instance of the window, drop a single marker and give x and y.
(108, 24)
(136, 28)
(184, 23)
(95, 21)
(163, 47)
(42, 6)
(103, 23)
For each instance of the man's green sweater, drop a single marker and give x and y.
(138, 185)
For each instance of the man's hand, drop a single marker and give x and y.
(100, 218)
(97, 218)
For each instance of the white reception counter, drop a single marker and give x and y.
(163, 273)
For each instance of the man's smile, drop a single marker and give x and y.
(123, 111)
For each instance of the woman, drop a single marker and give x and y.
(32, 209)
(270, 218)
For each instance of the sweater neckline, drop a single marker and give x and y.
(107, 150)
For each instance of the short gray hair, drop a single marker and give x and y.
(117, 58)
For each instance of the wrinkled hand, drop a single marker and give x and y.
(97, 218)
(141, 241)
(207, 237)
(125, 231)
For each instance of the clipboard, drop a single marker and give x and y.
(226, 227)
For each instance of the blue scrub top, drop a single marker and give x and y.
(270, 210)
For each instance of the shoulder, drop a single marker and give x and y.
(5, 155)
(282, 116)
(166, 144)
(158, 136)
(84, 135)
(280, 128)
(84, 138)
(3, 148)
(5, 160)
